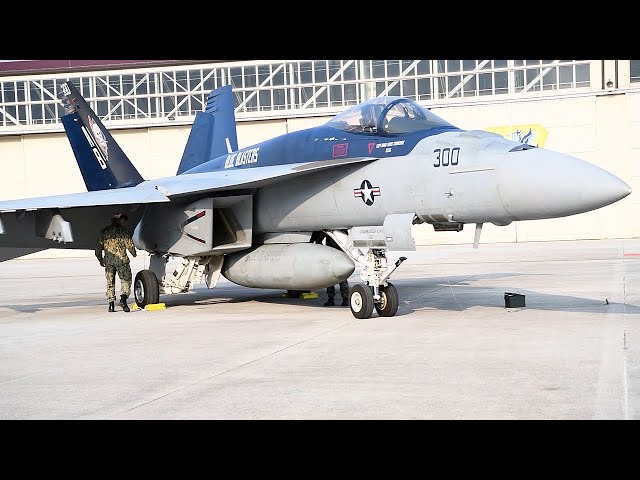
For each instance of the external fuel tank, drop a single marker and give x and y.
(288, 266)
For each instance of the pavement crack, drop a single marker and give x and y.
(255, 360)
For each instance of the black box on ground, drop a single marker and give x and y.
(513, 300)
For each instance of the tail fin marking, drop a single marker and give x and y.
(102, 162)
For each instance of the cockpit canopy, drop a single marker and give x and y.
(387, 115)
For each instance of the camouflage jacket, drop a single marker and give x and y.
(115, 240)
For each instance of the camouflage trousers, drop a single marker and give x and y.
(344, 290)
(124, 273)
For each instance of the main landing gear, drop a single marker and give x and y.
(147, 288)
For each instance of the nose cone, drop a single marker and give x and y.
(539, 183)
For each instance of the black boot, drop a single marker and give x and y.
(112, 307)
(345, 302)
(123, 303)
(329, 303)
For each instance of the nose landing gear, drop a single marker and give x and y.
(376, 293)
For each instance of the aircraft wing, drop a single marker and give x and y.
(25, 223)
(8, 253)
(131, 195)
(162, 190)
(232, 179)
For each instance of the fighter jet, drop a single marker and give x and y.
(363, 178)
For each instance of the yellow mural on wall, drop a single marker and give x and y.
(531, 134)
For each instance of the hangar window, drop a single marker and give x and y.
(279, 99)
(9, 92)
(408, 67)
(250, 77)
(101, 108)
(142, 84)
(128, 109)
(408, 88)
(322, 98)
(142, 105)
(264, 99)
(127, 84)
(334, 69)
(335, 93)
(35, 91)
(423, 67)
(236, 77)
(320, 71)
(209, 80)
(37, 114)
(393, 68)
(115, 109)
(634, 66)
(268, 89)
(195, 79)
(180, 81)
(250, 102)
(424, 89)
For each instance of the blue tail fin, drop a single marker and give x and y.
(213, 133)
(102, 162)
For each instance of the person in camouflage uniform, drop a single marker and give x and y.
(115, 240)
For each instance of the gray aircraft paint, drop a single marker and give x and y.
(489, 184)
(297, 266)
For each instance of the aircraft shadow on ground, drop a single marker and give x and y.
(444, 293)
(36, 307)
(451, 293)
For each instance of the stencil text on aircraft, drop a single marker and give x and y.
(242, 158)
(446, 156)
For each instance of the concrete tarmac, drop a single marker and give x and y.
(453, 351)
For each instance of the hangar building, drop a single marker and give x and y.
(586, 108)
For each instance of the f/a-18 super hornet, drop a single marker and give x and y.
(362, 178)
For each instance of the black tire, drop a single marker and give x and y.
(389, 301)
(145, 288)
(361, 301)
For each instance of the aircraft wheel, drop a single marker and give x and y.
(361, 301)
(145, 288)
(389, 301)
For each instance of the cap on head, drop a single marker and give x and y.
(119, 216)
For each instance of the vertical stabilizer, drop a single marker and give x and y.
(213, 133)
(102, 162)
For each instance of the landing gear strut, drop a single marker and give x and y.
(149, 284)
(376, 292)
(362, 301)
(382, 295)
